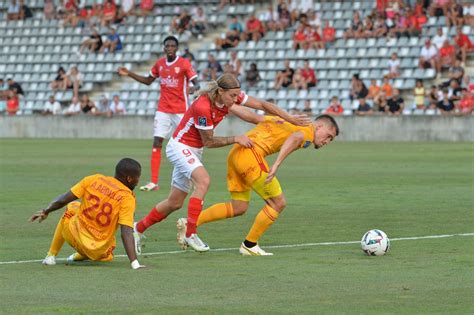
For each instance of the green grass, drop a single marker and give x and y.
(337, 194)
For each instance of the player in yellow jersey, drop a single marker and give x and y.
(248, 170)
(89, 226)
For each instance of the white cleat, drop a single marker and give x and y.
(150, 187)
(195, 242)
(137, 237)
(181, 235)
(49, 261)
(253, 251)
(70, 259)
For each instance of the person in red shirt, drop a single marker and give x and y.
(335, 108)
(447, 54)
(254, 30)
(109, 13)
(308, 74)
(146, 7)
(329, 33)
(466, 104)
(299, 37)
(174, 73)
(13, 103)
(184, 150)
(314, 39)
(464, 44)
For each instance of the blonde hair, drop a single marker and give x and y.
(226, 81)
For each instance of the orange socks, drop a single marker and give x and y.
(216, 212)
(263, 221)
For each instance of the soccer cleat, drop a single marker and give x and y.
(74, 257)
(253, 251)
(137, 237)
(195, 242)
(150, 187)
(49, 260)
(181, 227)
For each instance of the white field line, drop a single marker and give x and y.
(272, 246)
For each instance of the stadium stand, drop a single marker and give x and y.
(33, 49)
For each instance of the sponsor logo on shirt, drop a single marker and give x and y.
(202, 121)
(170, 82)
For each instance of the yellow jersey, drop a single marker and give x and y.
(269, 135)
(106, 203)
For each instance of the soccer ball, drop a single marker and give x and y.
(375, 243)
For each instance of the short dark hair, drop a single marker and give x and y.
(330, 120)
(171, 37)
(127, 167)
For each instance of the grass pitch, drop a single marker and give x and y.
(334, 195)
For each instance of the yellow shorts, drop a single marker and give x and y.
(71, 210)
(247, 171)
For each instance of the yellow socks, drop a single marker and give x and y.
(263, 221)
(58, 240)
(216, 212)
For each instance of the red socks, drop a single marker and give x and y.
(194, 209)
(153, 217)
(155, 164)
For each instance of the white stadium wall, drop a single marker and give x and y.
(405, 128)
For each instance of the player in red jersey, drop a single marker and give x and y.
(185, 148)
(174, 73)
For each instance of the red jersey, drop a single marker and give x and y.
(146, 4)
(466, 104)
(329, 34)
(447, 51)
(309, 74)
(202, 115)
(335, 109)
(174, 78)
(12, 106)
(299, 36)
(463, 40)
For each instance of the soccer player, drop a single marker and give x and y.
(185, 148)
(248, 170)
(174, 74)
(89, 226)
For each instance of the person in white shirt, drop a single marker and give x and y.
(116, 106)
(74, 108)
(428, 56)
(74, 80)
(393, 66)
(439, 39)
(52, 107)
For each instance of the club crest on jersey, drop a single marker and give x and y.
(202, 121)
(307, 144)
(161, 68)
(191, 161)
(177, 69)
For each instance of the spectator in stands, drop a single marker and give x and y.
(299, 38)
(358, 88)
(329, 33)
(309, 75)
(400, 27)
(439, 7)
(49, 10)
(447, 55)
(434, 97)
(466, 104)
(428, 56)
(13, 103)
(109, 13)
(419, 93)
(335, 107)
(393, 66)
(314, 39)
(469, 14)
(93, 43)
(52, 107)
(298, 82)
(454, 91)
(364, 108)
(146, 7)
(307, 108)
(116, 106)
(74, 108)
(113, 42)
(254, 29)
(395, 104)
(213, 70)
(413, 24)
(25, 11)
(13, 12)
(87, 105)
(190, 56)
(455, 14)
(284, 15)
(314, 20)
(386, 87)
(74, 80)
(380, 27)
(374, 90)
(181, 22)
(252, 75)
(446, 106)
(199, 23)
(355, 28)
(456, 72)
(284, 77)
(15, 87)
(70, 13)
(3, 90)
(60, 81)
(269, 19)
(235, 25)
(231, 40)
(439, 39)
(464, 44)
(102, 107)
(127, 8)
(367, 28)
(236, 65)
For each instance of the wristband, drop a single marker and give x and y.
(135, 264)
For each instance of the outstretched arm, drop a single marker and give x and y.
(56, 204)
(129, 245)
(298, 120)
(210, 141)
(124, 72)
(246, 114)
(292, 143)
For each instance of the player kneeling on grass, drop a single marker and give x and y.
(248, 170)
(89, 226)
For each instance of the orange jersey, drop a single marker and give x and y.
(106, 203)
(269, 136)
